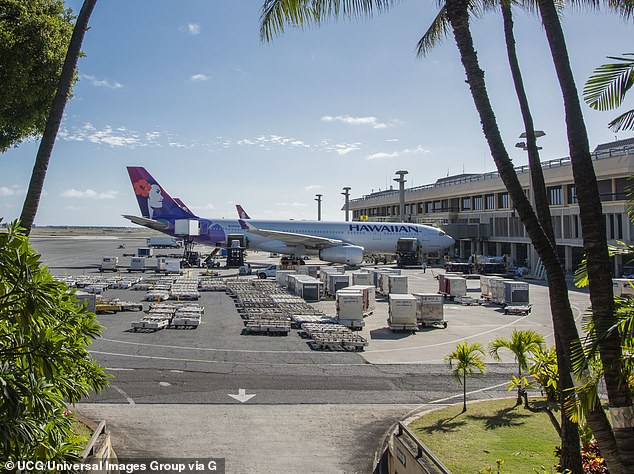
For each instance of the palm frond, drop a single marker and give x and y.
(624, 121)
(437, 31)
(277, 14)
(608, 84)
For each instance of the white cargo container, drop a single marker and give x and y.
(109, 264)
(370, 295)
(350, 308)
(189, 227)
(163, 241)
(361, 278)
(169, 265)
(397, 284)
(90, 300)
(485, 284)
(497, 291)
(622, 287)
(515, 293)
(430, 309)
(402, 312)
(281, 277)
(453, 286)
(310, 289)
(336, 281)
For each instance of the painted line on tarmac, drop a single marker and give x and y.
(123, 394)
(206, 361)
(211, 349)
(399, 349)
(440, 400)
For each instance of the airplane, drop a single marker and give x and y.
(336, 242)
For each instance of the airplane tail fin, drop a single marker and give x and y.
(155, 203)
(242, 214)
(183, 206)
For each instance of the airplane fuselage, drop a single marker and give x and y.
(374, 237)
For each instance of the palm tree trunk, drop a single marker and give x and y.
(464, 391)
(537, 176)
(34, 193)
(459, 19)
(594, 240)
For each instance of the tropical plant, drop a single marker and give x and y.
(464, 361)
(607, 87)
(44, 358)
(522, 344)
(45, 150)
(34, 38)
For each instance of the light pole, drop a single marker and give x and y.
(401, 188)
(318, 199)
(346, 193)
(531, 191)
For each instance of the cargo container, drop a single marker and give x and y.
(397, 284)
(369, 296)
(375, 278)
(430, 309)
(402, 312)
(90, 300)
(350, 308)
(281, 277)
(515, 293)
(306, 287)
(622, 287)
(497, 290)
(109, 264)
(452, 286)
(361, 278)
(485, 284)
(336, 281)
(145, 252)
(163, 242)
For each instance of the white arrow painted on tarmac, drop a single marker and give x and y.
(242, 396)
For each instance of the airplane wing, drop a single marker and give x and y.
(308, 241)
(152, 224)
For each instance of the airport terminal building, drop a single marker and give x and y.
(475, 209)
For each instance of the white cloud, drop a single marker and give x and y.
(370, 120)
(392, 140)
(101, 82)
(291, 204)
(396, 154)
(312, 186)
(204, 207)
(193, 28)
(199, 77)
(14, 190)
(120, 137)
(88, 194)
(345, 148)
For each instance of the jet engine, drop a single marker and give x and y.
(350, 254)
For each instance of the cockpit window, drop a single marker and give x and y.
(441, 233)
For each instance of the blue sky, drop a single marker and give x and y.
(187, 90)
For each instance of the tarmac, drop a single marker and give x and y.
(312, 411)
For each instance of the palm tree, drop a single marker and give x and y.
(594, 236)
(522, 344)
(607, 87)
(464, 361)
(34, 193)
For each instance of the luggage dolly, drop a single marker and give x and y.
(523, 310)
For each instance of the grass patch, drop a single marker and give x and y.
(488, 431)
(81, 433)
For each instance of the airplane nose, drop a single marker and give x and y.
(450, 241)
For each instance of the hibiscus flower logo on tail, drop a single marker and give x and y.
(142, 188)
